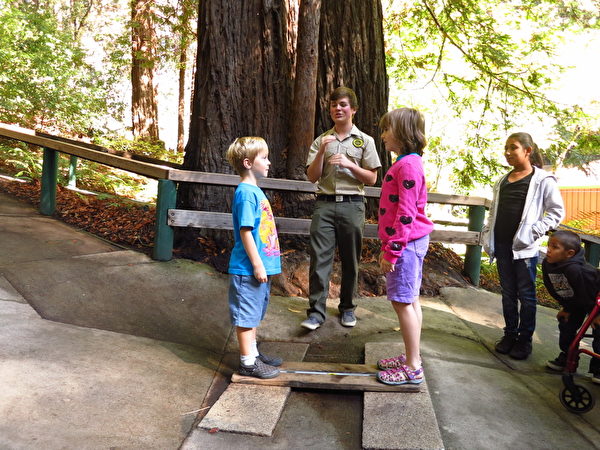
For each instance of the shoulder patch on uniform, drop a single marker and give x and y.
(358, 142)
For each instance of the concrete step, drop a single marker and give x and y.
(398, 420)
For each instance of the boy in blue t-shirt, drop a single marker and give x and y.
(255, 255)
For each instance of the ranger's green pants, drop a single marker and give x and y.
(334, 224)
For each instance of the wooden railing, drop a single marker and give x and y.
(168, 217)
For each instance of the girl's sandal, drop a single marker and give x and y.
(401, 375)
(392, 363)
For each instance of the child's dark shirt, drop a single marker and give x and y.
(573, 283)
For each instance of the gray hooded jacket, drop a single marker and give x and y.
(544, 209)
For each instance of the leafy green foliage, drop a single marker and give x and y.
(99, 178)
(577, 143)
(21, 161)
(46, 80)
(487, 67)
(140, 147)
(25, 162)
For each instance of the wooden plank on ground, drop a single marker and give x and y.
(352, 380)
(396, 420)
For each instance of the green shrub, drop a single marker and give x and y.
(21, 161)
(140, 147)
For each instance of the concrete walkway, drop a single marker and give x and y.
(101, 347)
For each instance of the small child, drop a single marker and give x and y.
(404, 232)
(575, 285)
(255, 255)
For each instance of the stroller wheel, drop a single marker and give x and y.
(578, 400)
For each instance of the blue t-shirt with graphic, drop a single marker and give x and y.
(252, 209)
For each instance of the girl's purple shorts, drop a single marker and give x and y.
(404, 282)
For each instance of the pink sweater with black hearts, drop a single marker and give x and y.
(402, 206)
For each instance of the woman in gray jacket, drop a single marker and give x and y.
(526, 204)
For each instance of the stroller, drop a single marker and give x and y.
(575, 397)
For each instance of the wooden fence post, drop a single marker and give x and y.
(49, 178)
(592, 253)
(163, 239)
(72, 171)
(473, 253)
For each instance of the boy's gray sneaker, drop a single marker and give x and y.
(348, 319)
(270, 360)
(312, 323)
(258, 370)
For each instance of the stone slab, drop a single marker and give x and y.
(11, 206)
(247, 408)
(178, 301)
(398, 420)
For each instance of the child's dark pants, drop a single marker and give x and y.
(568, 331)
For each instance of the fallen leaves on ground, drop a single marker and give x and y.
(117, 220)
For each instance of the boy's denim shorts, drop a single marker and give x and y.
(248, 300)
(404, 283)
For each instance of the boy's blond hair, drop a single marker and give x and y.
(242, 148)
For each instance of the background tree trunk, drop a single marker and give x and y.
(181, 96)
(302, 123)
(352, 54)
(144, 110)
(243, 87)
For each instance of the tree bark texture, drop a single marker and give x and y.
(243, 87)
(181, 97)
(302, 123)
(352, 54)
(144, 109)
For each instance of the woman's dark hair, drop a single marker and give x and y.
(568, 239)
(408, 127)
(342, 92)
(526, 141)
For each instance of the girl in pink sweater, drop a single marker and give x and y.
(404, 232)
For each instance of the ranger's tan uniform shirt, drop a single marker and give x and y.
(358, 148)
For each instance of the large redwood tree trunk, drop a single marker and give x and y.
(352, 54)
(242, 88)
(144, 109)
(244, 85)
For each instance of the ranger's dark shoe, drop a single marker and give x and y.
(522, 349)
(506, 344)
(312, 323)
